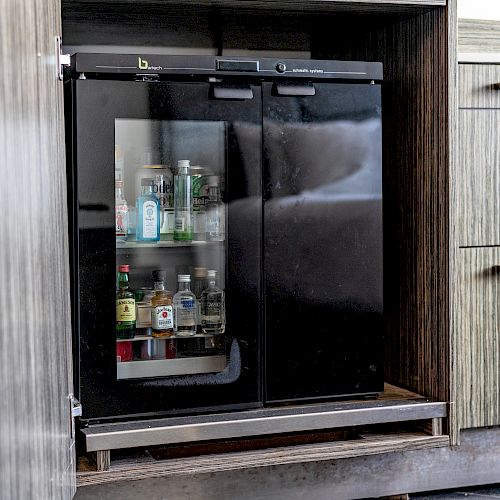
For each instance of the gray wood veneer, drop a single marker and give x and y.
(478, 337)
(479, 178)
(476, 86)
(36, 457)
(477, 35)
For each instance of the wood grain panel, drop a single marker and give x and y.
(478, 337)
(476, 86)
(35, 433)
(368, 445)
(479, 178)
(477, 35)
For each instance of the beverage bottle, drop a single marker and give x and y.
(185, 308)
(215, 216)
(121, 213)
(148, 213)
(212, 307)
(183, 203)
(199, 284)
(119, 163)
(125, 305)
(162, 316)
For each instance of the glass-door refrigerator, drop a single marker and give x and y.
(226, 232)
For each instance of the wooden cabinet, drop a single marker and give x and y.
(477, 86)
(478, 337)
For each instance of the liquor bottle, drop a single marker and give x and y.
(148, 213)
(162, 317)
(215, 216)
(212, 307)
(121, 213)
(119, 163)
(125, 306)
(183, 203)
(184, 308)
(199, 180)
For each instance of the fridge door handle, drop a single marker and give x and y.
(239, 92)
(289, 89)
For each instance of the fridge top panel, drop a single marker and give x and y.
(131, 65)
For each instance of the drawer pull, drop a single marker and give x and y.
(496, 86)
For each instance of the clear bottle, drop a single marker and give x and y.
(121, 213)
(215, 213)
(183, 203)
(125, 306)
(212, 307)
(162, 317)
(199, 284)
(185, 307)
(148, 213)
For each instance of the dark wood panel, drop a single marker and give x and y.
(36, 457)
(478, 337)
(476, 86)
(478, 179)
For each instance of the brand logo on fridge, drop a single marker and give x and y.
(306, 70)
(144, 64)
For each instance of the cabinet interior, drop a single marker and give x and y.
(412, 44)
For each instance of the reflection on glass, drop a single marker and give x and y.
(170, 211)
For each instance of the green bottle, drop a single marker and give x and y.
(125, 306)
(183, 203)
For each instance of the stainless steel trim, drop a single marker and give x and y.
(169, 367)
(231, 428)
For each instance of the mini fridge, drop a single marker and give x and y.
(253, 186)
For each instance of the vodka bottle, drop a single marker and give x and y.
(185, 307)
(215, 216)
(183, 203)
(212, 307)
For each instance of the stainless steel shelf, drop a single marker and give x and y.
(139, 338)
(169, 367)
(132, 245)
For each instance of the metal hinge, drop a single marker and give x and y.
(62, 59)
(76, 407)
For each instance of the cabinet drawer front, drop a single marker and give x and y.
(478, 331)
(479, 177)
(477, 86)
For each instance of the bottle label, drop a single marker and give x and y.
(149, 220)
(162, 318)
(125, 310)
(213, 221)
(185, 312)
(121, 218)
(183, 220)
(212, 310)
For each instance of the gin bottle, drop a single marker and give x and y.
(183, 203)
(212, 307)
(184, 308)
(148, 213)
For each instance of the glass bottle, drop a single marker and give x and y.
(212, 307)
(184, 308)
(125, 306)
(183, 203)
(199, 284)
(215, 216)
(162, 316)
(121, 213)
(148, 213)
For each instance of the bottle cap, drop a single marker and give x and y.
(159, 275)
(159, 285)
(119, 184)
(124, 268)
(147, 182)
(184, 278)
(211, 273)
(200, 272)
(183, 164)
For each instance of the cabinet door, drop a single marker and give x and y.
(479, 156)
(478, 331)
(37, 451)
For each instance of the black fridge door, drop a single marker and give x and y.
(322, 240)
(127, 140)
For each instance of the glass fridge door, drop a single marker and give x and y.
(169, 192)
(322, 240)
